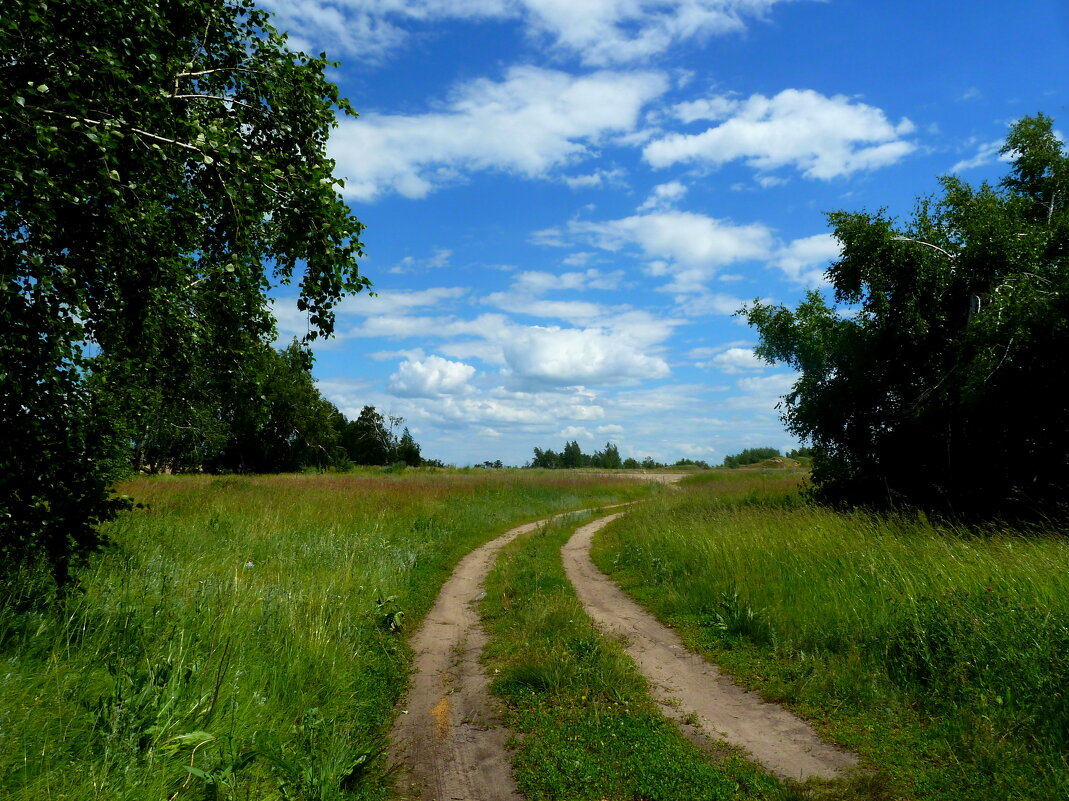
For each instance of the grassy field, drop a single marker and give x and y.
(244, 639)
(941, 654)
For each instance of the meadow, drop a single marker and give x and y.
(244, 637)
(940, 653)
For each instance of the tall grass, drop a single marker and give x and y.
(244, 637)
(942, 652)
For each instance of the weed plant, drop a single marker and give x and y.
(942, 653)
(587, 729)
(243, 639)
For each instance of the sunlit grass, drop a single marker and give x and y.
(245, 636)
(943, 653)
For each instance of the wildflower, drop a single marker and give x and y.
(250, 564)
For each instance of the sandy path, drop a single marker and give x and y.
(447, 742)
(688, 687)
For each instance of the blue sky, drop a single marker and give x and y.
(566, 200)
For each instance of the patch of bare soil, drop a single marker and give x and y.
(691, 689)
(446, 742)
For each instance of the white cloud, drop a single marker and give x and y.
(554, 356)
(718, 107)
(986, 153)
(575, 432)
(688, 247)
(391, 302)
(761, 393)
(599, 32)
(664, 196)
(536, 282)
(430, 377)
(573, 311)
(499, 406)
(410, 264)
(804, 260)
(704, 304)
(823, 137)
(532, 122)
(596, 179)
(736, 360)
(683, 236)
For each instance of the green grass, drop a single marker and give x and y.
(587, 729)
(244, 639)
(942, 654)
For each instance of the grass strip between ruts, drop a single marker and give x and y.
(586, 728)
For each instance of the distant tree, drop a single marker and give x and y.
(546, 459)
(691, 463)
(572, 456)
(631, 463)
(407, 450)
(800, 453)
(161, 165)
(750, 456)
(608, 458)
(938, 389)
(368, 440)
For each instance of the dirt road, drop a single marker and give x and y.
(448, 745)
(447, 742)
(689, 688)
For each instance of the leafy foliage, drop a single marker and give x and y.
(161, 166)
(933, 380)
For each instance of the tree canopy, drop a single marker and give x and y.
(933, 379)
(162, 165)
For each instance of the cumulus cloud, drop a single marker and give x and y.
(986, 153)
(386, 302)
(736, 360)
(761, 393)
(596, 179)
(575, 432)
(531, 123)
(554, 356)
(410, 264)
(664, 196)
(804, 260)
(687, 246)
(599, 32)
(703, 304)
(430, 377)
(686, 237)
(822, 137)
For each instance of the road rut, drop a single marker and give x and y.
(688, 687)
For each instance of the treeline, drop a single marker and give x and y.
(265, 415)
(572, 456)
(756, 455)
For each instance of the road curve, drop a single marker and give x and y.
(689, 688)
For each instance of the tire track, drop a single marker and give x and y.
(688, 687)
